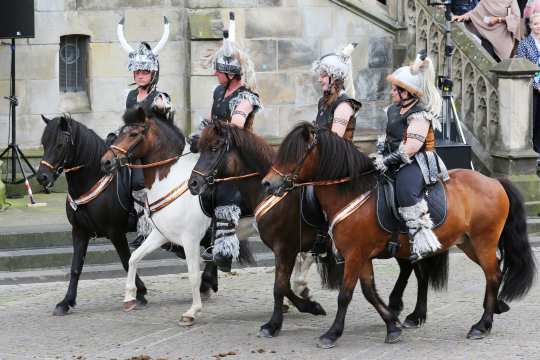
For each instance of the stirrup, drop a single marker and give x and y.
(319, 245)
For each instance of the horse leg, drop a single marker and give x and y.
(191, 248)
(282, 288)
(350, 278)
(396, 296)
(418, 317)
(490, 265)
(300, 271)
(367, 282)
(153, 242)
(80, 246)
(121, 245)
(209, 280)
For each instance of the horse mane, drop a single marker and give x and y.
(89, 147)
(166, 128)
(338, 157)
(254, 150)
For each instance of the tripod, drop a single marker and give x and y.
(16, 153)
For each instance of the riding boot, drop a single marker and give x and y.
(226, 245)
(423, 239)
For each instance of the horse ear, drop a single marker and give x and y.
(141, 116)
(45, 120)
(307, 132)
(64, 125)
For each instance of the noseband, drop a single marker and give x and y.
(61, 167)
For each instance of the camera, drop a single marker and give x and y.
(439, 2)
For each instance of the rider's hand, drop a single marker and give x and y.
(378, 162)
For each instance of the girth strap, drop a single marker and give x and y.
(266, 204)
(93, 193)
(347, 211)
(168, 198)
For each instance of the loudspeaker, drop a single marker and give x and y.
(17, 19)
(455, 155)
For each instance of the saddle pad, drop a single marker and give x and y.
(435, 196)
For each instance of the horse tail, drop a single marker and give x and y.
(245, 256)
(435, 269)
(330, 271)
(519, 267)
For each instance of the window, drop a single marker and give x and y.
(73, 63)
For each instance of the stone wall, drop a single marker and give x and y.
(101, 106)
(283, 39)
(282, 36)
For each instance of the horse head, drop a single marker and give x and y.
(296, 161)
(58, 149)
(216, 156)
(134, 141)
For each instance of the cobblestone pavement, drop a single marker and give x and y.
(98, 329)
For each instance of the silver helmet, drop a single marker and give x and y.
(144, 57)
(338, 66)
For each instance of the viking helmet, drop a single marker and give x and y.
(338, 66)
(419, 80)
(144, 57)
(231, 59)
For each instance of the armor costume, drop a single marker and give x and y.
(236, 64)
(414, 171)
(144, 58)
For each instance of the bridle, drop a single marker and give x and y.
(61, 166)
(211, 177)
(289, 180)
(126, 160)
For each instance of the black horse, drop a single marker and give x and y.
(71, 147)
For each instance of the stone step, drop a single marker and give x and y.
(107, 271)
(98, 253)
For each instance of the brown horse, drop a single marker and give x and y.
(231, 153)
(484, 215)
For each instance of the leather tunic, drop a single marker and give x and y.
(396, 129)
(222, 106)
(146, 104)
(325, 114)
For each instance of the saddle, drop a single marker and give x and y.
(123, 188)
(387, 213)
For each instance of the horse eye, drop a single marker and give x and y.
(132, 134)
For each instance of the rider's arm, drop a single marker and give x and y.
(241, 112)
(416, 134)
(342, 114)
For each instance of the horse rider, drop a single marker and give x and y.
(408, 149)
(143, 63)
(337, 108)
(234, 102)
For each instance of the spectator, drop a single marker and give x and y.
(533, 6)
(529, 48)
(497, 23)
(460, 7)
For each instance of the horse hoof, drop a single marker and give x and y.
(141, 302)
(476, 334)
(129, 305)
(501, 307)
(284, 309)
(186, 321)
(393, 337)
(266, 333)
(60, 310)
(326, 343)
(318, 309)
(412, 324)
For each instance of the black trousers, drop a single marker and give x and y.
(536, 120)
(409, 185)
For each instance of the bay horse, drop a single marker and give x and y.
(484, 215)
(71, 147)
(175, 213)
(230, 153)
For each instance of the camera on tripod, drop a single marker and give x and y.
(439, 3)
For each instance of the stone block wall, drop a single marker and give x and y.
(283, 37)
(100, 107)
